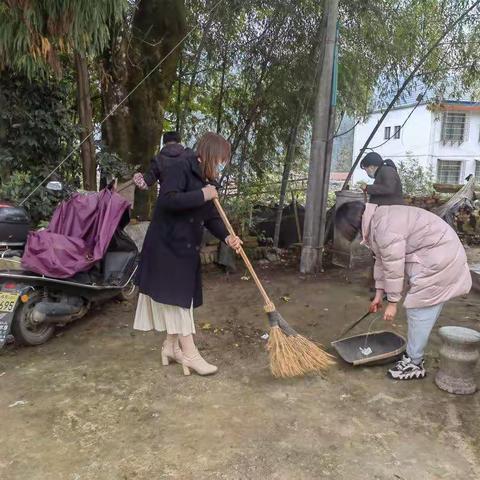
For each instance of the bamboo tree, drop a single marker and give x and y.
(287, 167)
(34, 38)
(84, 106)
(193, 74)
(221, 94)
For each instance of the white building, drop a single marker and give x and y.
(443, 137)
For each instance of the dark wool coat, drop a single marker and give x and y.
(170, 268)
(169, 154)
(387, 187)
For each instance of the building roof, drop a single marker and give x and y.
(411, 96)
(459, 105)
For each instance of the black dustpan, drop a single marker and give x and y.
(386, 346)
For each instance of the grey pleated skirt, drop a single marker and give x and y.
(151, 315)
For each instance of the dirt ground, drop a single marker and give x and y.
(95, 402)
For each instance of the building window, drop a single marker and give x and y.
(387, 133)
(477, 171)
(454, 127)
(449, 171)
(397, 131)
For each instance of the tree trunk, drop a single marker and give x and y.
(221, 94)
(287, 166)
(297, 218)
(84, 106)
(241, 168)
(178, 106)
(136, 127)
(311, 229)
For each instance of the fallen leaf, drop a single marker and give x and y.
(206, 326)
(18, 403)
(285, 298)
(245, 278)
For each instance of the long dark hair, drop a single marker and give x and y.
(348, 219)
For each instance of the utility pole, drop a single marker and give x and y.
(318, 149)
(328, 155)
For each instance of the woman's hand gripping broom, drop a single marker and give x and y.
(291, 354)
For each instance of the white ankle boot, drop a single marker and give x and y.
(197, 363)
(171, 351)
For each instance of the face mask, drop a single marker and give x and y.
(370, 172)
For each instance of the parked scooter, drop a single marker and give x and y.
(32, 305)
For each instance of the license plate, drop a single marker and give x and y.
(8, 301)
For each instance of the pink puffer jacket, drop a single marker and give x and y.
(414, 243)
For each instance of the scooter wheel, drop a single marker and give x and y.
(24, 330)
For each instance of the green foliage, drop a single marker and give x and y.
(36, 134)
(35, 35)
(41, 206)
(249, 71)
(416, 180)
(265, 56)
(111, 164)
(331, 199)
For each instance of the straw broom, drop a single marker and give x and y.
(291, 354)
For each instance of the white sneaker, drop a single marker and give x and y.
(405, 369)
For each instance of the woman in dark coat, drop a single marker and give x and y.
(169, 275)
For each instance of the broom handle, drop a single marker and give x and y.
(128, 184)
(269, 306)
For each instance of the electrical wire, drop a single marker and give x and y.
(346, 131)
(114, 109)
(404, 123)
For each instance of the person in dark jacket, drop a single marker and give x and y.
(169, 273)
(172, 152)
(387, 187)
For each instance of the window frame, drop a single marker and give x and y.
(446, 180)
(387, 132)
(448, 134)
(396, 131)
(477, 169)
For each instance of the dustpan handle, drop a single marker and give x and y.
(354, 324)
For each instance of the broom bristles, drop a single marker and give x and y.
(294, 355)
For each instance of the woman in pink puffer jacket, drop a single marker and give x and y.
(414, 245)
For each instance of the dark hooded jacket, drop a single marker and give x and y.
(387, 187)
(169, 271)
(169, 154)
